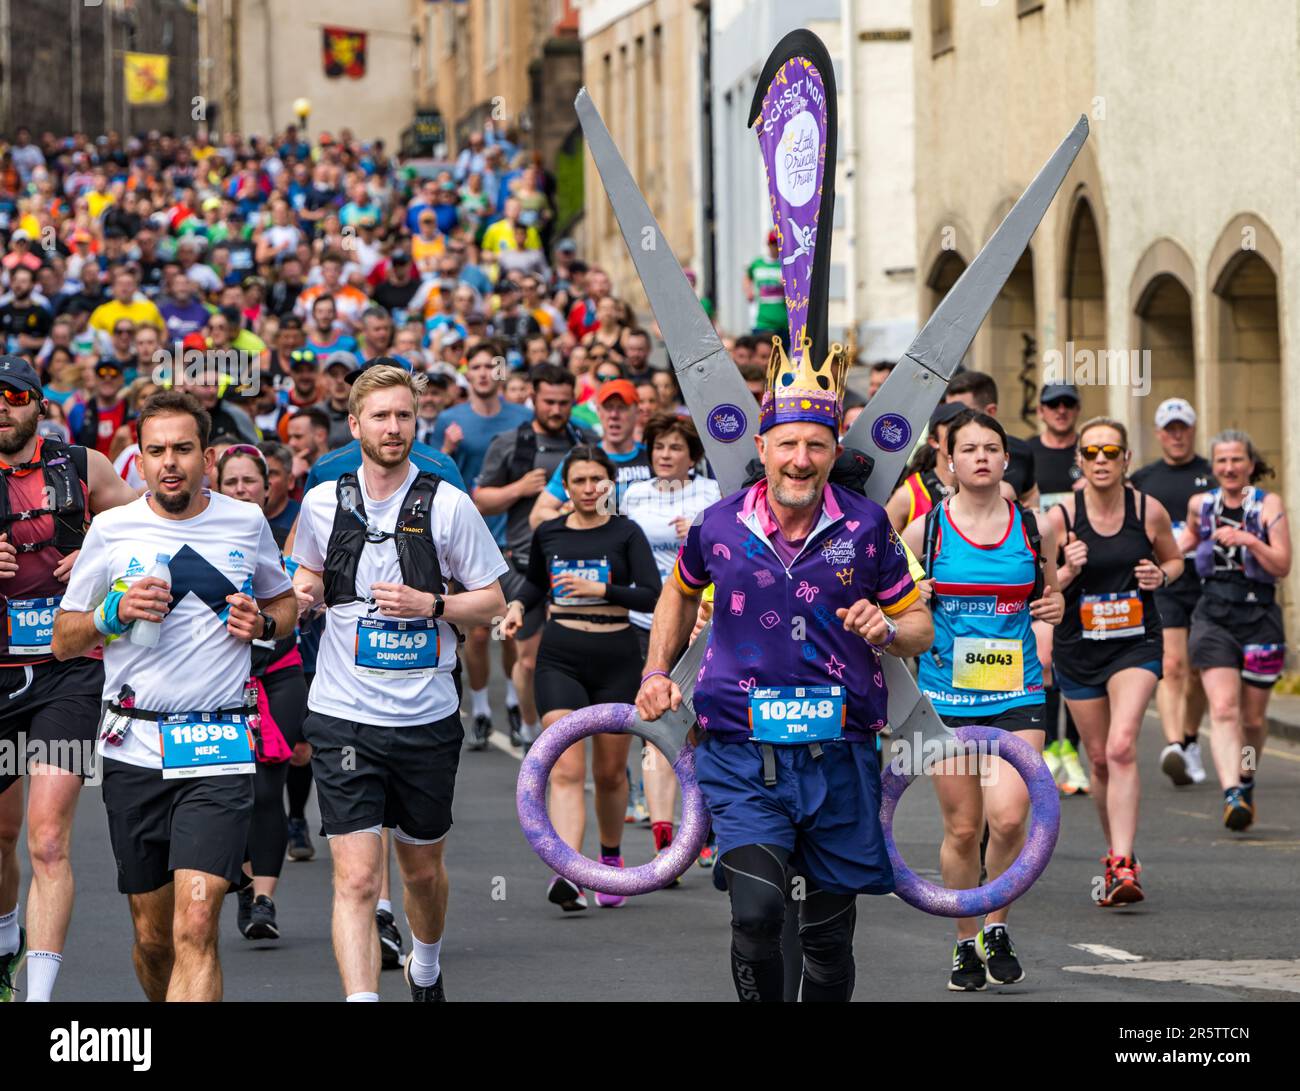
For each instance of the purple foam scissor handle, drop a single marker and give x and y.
(530, 800)
(1044, 825)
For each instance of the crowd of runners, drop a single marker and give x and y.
(345, 441)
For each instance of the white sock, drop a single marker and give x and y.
(531, 731)
(9, 931)
(384, 906)
(424, 961)
(363, 998)
(479, 702)
(512, 698)
(42, 970)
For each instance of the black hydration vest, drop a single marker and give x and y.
(526, 447)
(64, 468)
(413, 537)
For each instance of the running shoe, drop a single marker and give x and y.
(1238, 811)
(1052, 756)
(390, 940)
(516, 719)
(1192, 757)
(993, 945)
(9, 967)
(1075, 780)
(261, 924)
(480, 733)
(300, 844)
(424, 994)
(1122, 886)
(708, 856)
(566, 895)
(244, 913)
(640, 811)
(968, 974)
(676, 882)
(610, 901)
(1173, 763)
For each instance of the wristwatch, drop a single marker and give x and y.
(1164, 579)
(439, 604)
(893, 632)
(268, 625)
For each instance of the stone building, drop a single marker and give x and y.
(1173, 239)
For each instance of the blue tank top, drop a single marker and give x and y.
(984, 657)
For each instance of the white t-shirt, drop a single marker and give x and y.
(196, 666)
(467, 553)
(653, 509)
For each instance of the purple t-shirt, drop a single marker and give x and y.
(787, 548)
(774, 621)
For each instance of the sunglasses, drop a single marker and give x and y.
(243, 449)
(18, 397)
(1061, 403)
(1112, 451)
(105, 372)
(302, 356)
(126, 330)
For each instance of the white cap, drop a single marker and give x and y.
(1175, 409)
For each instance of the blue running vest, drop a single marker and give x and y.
(982, 634)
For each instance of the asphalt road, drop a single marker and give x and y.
(1219, 922)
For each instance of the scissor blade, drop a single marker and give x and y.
(719, 401)
(899, 410)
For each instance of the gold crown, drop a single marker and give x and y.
(826, 378)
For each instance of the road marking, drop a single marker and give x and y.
(1281, 754)
(1276, 974)
(1103, 951)
(502, 743)
(1186, 814)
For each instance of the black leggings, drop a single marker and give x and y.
(268, 833)
(757, 880)
(298, 787)
(1051, 718)
(576, 669)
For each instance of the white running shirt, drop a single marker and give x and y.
(467, 553)
(196, 666)
(653, 509)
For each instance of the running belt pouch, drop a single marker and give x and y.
(272, 749)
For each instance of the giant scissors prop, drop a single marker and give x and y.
(721, 404)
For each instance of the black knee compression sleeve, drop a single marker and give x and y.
(826, 931)
(756, 882)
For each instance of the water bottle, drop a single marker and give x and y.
(145, 633)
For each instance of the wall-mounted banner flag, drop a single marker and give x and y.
(145, 77)
(795, 117)
(345, 53)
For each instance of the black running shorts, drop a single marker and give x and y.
(52, 708)
(395, 777)
(158, 827)
(1246, 637)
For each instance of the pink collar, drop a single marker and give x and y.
(756, 504)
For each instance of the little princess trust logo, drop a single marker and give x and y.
(891, 432)
(726, 423)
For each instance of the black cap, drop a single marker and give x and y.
(1056, 391)
(400, 257)
(19, 374)
(944, 412)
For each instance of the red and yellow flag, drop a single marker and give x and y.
(345, 53)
